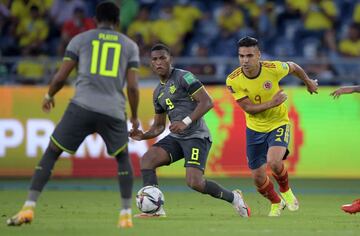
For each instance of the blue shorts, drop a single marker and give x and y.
(257, 144)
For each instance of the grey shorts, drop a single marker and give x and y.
(194, 150)
(78, 122)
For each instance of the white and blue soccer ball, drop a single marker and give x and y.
(149, 199)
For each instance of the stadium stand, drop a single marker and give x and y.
(322, 35)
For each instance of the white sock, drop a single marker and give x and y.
(30, 204)
(125, 211)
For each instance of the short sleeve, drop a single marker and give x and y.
(235, 89)
(190, 83)
(282, 69)
(134, 58)
(73, 49)
(158, 108)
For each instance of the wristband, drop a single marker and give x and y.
(48, 97)
(187, 121)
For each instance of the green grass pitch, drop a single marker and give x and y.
(90, 207)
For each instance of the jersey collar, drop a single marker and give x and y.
(172, 71)
(106, 28)
(254, 77)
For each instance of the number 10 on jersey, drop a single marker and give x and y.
(104, 57)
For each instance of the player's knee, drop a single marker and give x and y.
(275, 165)
(52, 146)
(259, 179)
(195, 183)
(122, 156)
(148, 161)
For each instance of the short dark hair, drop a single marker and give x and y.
(107, 12)
(248, 42)
(160, 46)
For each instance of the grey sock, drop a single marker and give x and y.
(43, 170)
(33, 195)
(217, 191)
(126, 203)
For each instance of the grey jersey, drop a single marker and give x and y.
(174, 98)
(103, 57)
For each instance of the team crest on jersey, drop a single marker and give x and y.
(267, 85)
(172, 89)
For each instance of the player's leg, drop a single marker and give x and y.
(125, 181)
(266, 188)
(164, 152)
(67, 136)
(278, 141)
(196, 181)
(256, 150)
(196, 151)
(115, 135)
(39, 179)
(155, 157)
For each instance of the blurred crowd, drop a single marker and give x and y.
(319, 31)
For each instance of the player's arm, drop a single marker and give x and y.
(204, 104)
(251, 108)
(133, 95)
(57, 83)
(299, 72)
(345, 90)
(155, 130)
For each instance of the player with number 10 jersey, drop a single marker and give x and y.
(104, 56)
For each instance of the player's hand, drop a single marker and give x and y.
(344, 90)
(48, 103)
(135, 123)
(279, 98)
(312, 86)
(136, 134)
(177, 127)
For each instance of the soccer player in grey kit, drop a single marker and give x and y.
(182, 98)
(105, 58)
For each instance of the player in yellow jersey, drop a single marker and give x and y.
(255, 87)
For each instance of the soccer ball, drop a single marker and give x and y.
(149, 199)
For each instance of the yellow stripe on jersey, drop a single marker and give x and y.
(197, 90)
(259, 90)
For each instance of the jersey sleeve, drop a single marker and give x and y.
(73, 49)
(282, 69)
(134, 58)
(190, 83)
(158, 108)
(235, 89)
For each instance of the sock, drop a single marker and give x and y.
(149, 177)
(30, 204)
(33, 195)
(43, 172)
(282, 179)
(125, 178)
(125, 211)
(126, 203)
(268, 191)
(217, 191)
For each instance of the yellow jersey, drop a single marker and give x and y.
(261, 89)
